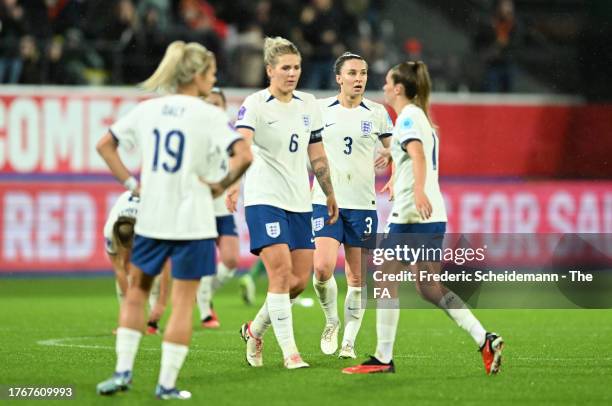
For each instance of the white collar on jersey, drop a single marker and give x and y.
(337, 102)
(271, 97)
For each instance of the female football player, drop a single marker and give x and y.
(227, 243)
(284, 127)
(353, 127)
(418, 212)
(118, 240)
(184, 144)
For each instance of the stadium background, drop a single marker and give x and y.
(522, 95)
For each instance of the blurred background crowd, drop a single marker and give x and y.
(543, 46)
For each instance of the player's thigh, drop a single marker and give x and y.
(229, 250)
(139, 279)
(325, 257)
(277, 261)
(184, 293)
(302, 266)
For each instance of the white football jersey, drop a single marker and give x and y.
(220, 207)
(182, 141)
(278, 175)
(125, 206)
(412, 124)
(349, 138)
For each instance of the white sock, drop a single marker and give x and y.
(387, 318)
(279, 308)
(154, 295)
(327, 292)
(261, 322)
(126, 348)
(458, 311)
(223, 275)
(353, 315)
(204, 296)
(173, 356)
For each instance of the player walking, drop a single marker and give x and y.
(353, 127)
(284, 127)
(418, 209)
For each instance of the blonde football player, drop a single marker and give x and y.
(284, 127)
(418, 209)
(183, 143)
(353, 127)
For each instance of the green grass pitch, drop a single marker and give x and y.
(57, 332)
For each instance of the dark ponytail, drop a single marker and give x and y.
(417, 83)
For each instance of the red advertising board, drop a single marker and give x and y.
(56, 225)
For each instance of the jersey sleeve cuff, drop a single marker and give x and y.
(230, 147)
(114, 136)
(384, 135)
(409, 140)
(245, 126)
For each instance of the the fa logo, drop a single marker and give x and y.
(273, 229)
(317, 224)
(306, 119)
(366, 128)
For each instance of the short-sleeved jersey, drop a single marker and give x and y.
(182, 141)
(125, 206)
(412, 124)
(219, 206)
(349, 137)
(278, 175)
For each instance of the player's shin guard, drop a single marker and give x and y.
(279, 308)
(353, 315)
(261, 322)
(327, 292)
(458, 311)
(173, 356)
(387, 318)
(126, 348)
(204, 296)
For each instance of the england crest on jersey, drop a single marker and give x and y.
(366, 128)
(306, 119)
(273, 229)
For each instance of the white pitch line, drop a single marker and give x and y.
(64, 342)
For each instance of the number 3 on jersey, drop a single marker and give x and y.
(174, 142)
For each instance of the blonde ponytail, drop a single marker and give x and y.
(180, 63)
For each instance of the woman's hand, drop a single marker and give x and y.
(388, 187)
(422, 204)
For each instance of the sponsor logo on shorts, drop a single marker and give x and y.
(273, 229)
